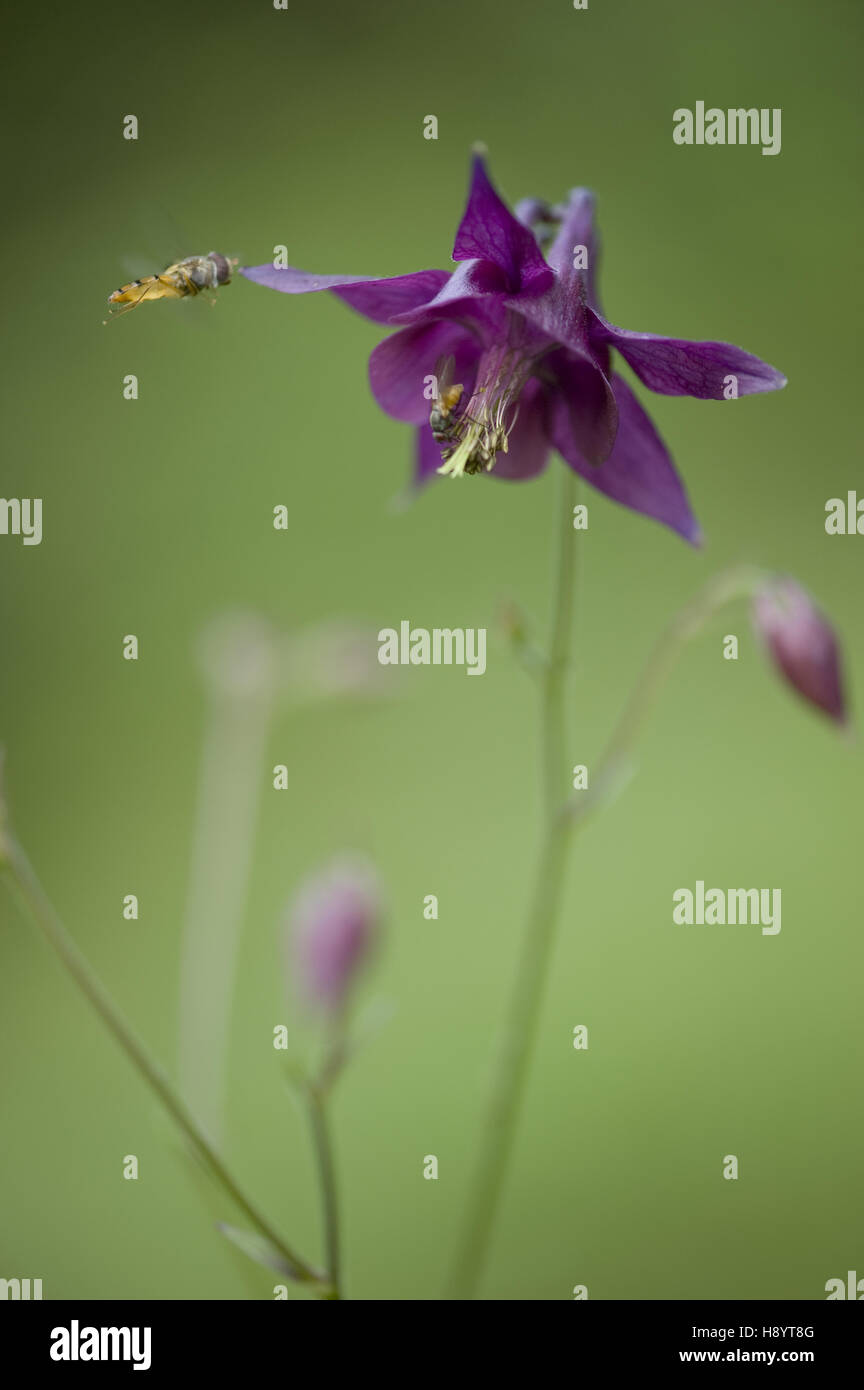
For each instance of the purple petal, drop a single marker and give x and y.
(378, 300)
(474, 291)
(591, 402)
(399, 366)
(675, 367)
(639, 472)
(528, 445)
(576, 229)
(561, 316)
(489, 231)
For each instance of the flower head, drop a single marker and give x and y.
(334, 921)
(530, 356)
(801, 643)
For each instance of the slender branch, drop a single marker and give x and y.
(33, 898)
(521, 1021)
(741, 581)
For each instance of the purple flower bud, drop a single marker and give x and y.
(334, 921)
(802, 644)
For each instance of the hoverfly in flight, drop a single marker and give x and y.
(188, 277)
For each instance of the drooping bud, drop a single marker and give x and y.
(334, 923)
(802, 644)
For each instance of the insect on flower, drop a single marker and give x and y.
(178, 281)
(442, 422)
(520, 314)
(462, 434)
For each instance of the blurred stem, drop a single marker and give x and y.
(554, 727)
(238, 724)
(316, 1103)
(316, 1092)
(520, 1027)
(33, 898)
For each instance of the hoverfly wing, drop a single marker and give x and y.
(136, 266)
(444, 369)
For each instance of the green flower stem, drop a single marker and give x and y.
(32, 896)
(316, 1103)
(513, 1062)
(554, 728)
(521, 1021)
(562, 818)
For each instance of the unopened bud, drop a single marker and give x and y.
(334, 923)
(801, 643)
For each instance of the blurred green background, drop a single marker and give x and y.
(304, 127)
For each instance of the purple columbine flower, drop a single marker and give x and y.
(532, 353)
(801, 643)
(334, 921)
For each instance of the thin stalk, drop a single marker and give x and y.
(239, 716)
(39, 908)
(561, 820)
(520, 1028)
(740, 581)
(319, 1123)
(554, 723)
